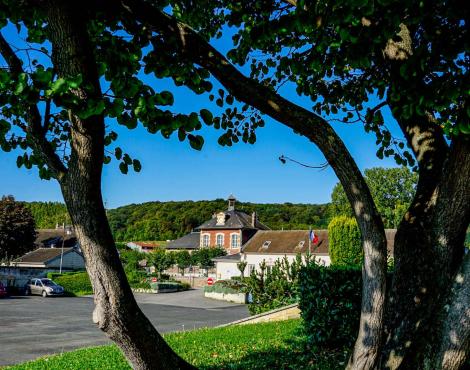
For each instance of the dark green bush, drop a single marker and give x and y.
(330, 301)
(74, 283)
(344, 240)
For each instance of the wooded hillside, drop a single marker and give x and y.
(170, 220)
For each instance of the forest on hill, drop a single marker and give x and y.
(170, 220)
(48, 214)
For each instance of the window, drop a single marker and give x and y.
(234, 241)
(206, 240)
(266, 244)
(220, 240)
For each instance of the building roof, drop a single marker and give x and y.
(42, 255)
(286, 241)
(188, 241)
(234, 219)
(146, 245)
(53, 237)
(229, 258)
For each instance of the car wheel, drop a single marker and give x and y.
(44, 294)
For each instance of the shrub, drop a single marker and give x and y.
(225, 287)
(74, 283)
(165, 285)
(345, 241)
(275, 287)
(330, 302)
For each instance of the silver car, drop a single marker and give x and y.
(44, 287)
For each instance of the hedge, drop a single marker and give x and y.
(344, 240)
(74, 283)
(330, 302)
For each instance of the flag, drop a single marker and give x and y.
(313, 237)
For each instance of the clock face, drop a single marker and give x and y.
(221, 218)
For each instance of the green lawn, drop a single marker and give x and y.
(278, 345)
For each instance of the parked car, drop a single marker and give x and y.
(3, 290)
(44, 287)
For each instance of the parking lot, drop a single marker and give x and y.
(31, 327)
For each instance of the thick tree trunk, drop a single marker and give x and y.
(116, 311)
(428, 248)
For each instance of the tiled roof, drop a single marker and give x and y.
(189, 241)
(286, 241)
(233, 220)
(42, 255)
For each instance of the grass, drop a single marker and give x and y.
(279, 345)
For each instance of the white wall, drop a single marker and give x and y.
(72, 260)
(270, 259)
(226, 270)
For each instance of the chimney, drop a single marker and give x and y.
(231, 203)
(253, 220)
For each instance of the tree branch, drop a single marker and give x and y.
(34, 127)
(317, 130)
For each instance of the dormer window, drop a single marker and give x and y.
(220, 218)
(300, 245)
(266, 244)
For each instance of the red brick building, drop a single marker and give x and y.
(228, 229)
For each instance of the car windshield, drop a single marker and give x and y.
(48, 282)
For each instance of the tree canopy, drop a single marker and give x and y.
(17, 228)
(79, 73)
(392, 189)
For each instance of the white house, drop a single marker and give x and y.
(50, 258)
(272, 245)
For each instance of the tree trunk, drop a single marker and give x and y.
(116, 311)
(428, 248)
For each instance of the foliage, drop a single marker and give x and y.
(74, 283)
(48, 214)
(161, 259)
(17, 228)
(170, 220)
(225, 287)
(167, 285)
(392, 190)
(274, 286)
(241, 266)
(330, 302)
(278, 345)
(183, 260)
(203, 256)
(131, 258)
(344, 239)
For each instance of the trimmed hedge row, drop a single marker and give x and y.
(330, 301)
(74, 283)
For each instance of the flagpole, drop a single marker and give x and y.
(310, 241)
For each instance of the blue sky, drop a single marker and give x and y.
(171, 170)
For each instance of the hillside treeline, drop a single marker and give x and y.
(48, 214)
(170, 220)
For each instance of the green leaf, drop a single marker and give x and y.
(196, 142)
(206, 116)
(123, 167)
(136, 164)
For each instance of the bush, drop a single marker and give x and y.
(330, 301)
(165, 285)
(274, 287)
(74, 283)
(225, 287)
(344, 240)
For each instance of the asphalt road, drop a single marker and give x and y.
(31, 327)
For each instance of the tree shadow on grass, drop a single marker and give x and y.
(294, 355)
